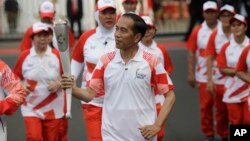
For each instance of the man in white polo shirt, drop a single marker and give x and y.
(129, 78)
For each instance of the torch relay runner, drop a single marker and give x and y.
(128, 79)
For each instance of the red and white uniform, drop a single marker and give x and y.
(236, 89)
(90, 47)
(197, 43)
(244, 64)
(37, 71)
(244, 60)
(129, 91)
(26, 42)
(12, 95)
(162, 54)
(216, 41)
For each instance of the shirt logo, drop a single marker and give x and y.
(92, 47)
(139, 75)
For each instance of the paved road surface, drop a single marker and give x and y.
(183, 123)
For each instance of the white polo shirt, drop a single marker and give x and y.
(88, 51)
(244, 61)
(215, 43)
(244, 64)
(163, 57)
(197, 43)
(37, 71)
(236, 89)
(129, 90)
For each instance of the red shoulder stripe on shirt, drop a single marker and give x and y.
(77, 53)
(26, 42)
(211, 44)
(18, 67)
(221, 58)
(167, 60)
(192, 40)
(242, 63)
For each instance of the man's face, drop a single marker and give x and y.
(124, 35)
(107, 17)
(210, 16)
(225, 18)
(129, 6)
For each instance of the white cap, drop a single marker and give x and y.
(228, 8)
(47, 9)
(240, 18)
(210, 5)
(148, 21)
(104, 4)
(39, 27)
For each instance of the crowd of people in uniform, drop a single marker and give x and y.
(126, 76)
(219, 69)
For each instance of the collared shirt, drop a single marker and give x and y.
(91, 46)
(37, 71)
(215, 43)
(244, 61)
(236, 89)
(129, 91)
(162, 54)
(197, 43)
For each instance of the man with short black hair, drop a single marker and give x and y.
(128, 79)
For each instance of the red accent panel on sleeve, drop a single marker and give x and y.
(221, 58)
(192, 40)
(90, 66)
(19, 64)
(8, 106)
(167, 60)
(97, 83)
(77, 53)
(26, 42)
(71, 39)
(242, 63)
(211, 44)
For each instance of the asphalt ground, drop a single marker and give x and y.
(182, 125)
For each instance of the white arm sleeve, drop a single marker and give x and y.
(76, 68)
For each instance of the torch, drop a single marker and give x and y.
(61, 31)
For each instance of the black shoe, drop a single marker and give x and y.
(211, 138)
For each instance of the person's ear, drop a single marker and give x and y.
(138, 37)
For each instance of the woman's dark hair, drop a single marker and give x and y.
(139, 24)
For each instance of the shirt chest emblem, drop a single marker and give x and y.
(92, 47)
(139, 75)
